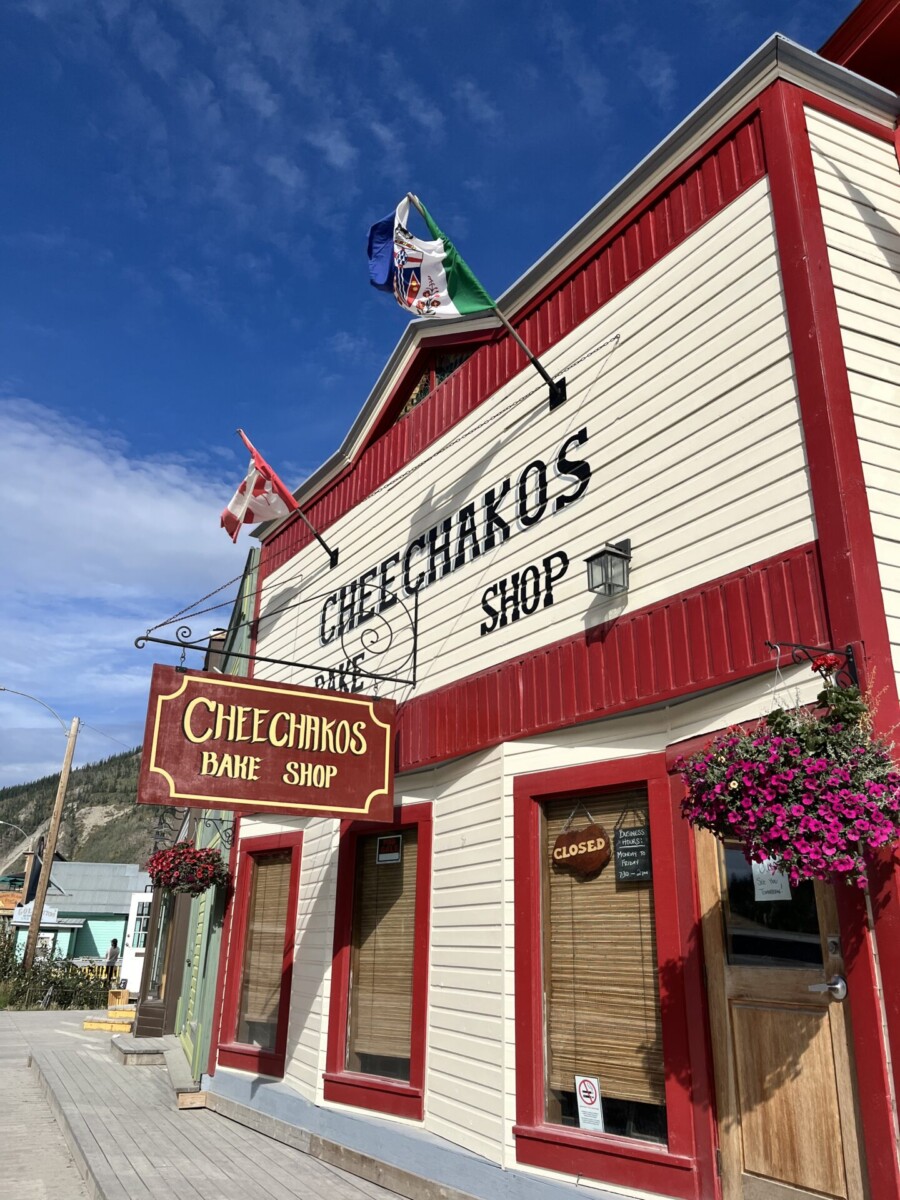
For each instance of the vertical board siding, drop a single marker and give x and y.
(859, 188)
(465, 1080)
(649, 233)
(314, 941)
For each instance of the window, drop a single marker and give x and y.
(604, 967)
(381, 955)
(376, 1033)
(141, 925)
(442, 366)
(767, 922)
(257, 1021)
(600, 978)
(261, 954)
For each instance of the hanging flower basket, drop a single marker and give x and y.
(185, 868)
(811, 792)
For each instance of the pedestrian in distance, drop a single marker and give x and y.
(112, 960)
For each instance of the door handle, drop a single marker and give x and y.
(836, 985)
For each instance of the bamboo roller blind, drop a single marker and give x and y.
(264, 947)
(382, 953)
(600, 970)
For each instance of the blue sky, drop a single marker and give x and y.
(185, 190)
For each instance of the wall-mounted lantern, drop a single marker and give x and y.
(609, 568)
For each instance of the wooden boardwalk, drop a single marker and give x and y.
(130, 1141)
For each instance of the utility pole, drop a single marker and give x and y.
(34, 927)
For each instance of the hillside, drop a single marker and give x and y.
(102, 821)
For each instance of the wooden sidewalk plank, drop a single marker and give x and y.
(125, 1127)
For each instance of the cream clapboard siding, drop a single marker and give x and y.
(313, 948)
(693, 440)
(465, 1056)
(859, 189)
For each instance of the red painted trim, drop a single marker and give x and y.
(685, 1168)
(721, 169)
(850, 576)
(231, 1052)
(638, 659)
(380, 1095)
(216, 1024)
(868, 42)
(349, 1087)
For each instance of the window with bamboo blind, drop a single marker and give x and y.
(602, 1013)
(264, 938)
(381, 965)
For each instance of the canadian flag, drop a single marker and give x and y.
(260, 496)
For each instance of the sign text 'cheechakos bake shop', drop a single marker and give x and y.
(216, 741)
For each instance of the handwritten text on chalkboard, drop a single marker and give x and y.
(632, 854)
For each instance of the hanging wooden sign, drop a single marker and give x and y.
(252, 745)
(584, 851)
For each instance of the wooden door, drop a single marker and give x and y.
(785, 1091)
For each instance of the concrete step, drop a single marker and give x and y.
(121, 1010)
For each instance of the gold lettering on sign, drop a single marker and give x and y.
(307, 774)
(206, 719)
(230, 766)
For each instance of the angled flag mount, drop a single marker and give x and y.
(432, 280)
(261, 496)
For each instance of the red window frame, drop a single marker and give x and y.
(233, 1053)
(684, 1168)
(350, 1087)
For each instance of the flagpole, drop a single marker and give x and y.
(557, 387)
(332, 554)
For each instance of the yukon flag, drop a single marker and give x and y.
(428, 278)
(260, 497)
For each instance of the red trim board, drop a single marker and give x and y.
(685, 1168)
(348, 1087)
(849, 570)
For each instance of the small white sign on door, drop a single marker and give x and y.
(590, 1110)
(768, 881)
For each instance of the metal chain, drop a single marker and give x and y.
(189, 607)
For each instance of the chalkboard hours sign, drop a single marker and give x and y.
(631, 854)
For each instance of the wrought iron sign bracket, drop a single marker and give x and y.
(374, 639)
(845, 676)
(224, 830)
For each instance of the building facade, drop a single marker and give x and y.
(433, 992)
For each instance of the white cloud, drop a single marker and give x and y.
(656, 71)
(156, 48)
(581, 72)
(287, 173)
(338, 150)
(477, 105)
(99, 544)
(244, 79)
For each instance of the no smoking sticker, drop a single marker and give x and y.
(590, 1109)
